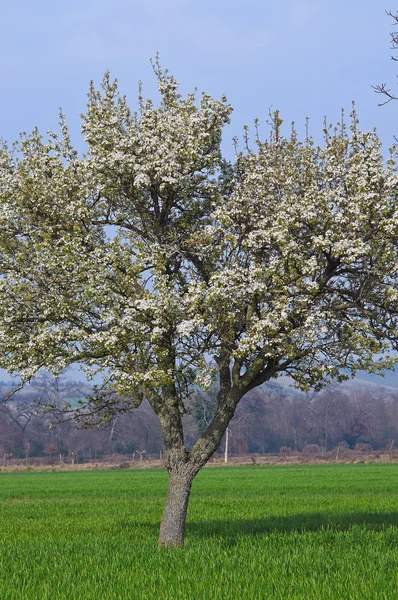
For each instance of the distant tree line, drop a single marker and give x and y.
(268, 419)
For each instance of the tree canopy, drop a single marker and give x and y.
(157, 261)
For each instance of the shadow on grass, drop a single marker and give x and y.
(300, 523)
(232, 530)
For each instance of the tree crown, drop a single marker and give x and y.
(151, 254)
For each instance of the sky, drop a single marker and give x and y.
(307, 58)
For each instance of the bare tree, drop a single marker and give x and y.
(382, 87)
(21, 415)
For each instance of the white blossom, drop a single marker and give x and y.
(151, 254)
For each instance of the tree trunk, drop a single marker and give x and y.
(182, 466)
(175, 510)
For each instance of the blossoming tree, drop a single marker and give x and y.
(162, 265)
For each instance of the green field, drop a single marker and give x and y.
(308, 532)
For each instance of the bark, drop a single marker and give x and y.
(180, 471)
(182, 466)
(172, 528)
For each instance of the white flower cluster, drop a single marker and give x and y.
(152, 254)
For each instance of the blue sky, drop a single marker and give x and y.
(306, 58)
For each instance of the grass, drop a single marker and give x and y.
(303, 532)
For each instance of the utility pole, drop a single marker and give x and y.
(226, 445)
